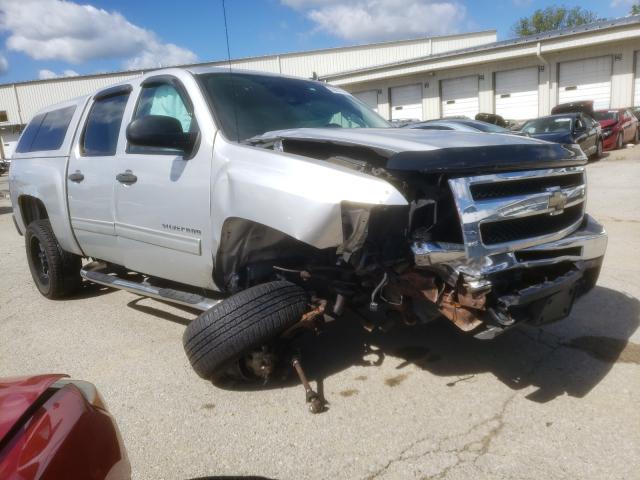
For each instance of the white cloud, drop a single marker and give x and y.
(375, 20)
(617, 3)
(64, 30)
(4, 64)
(45, 74)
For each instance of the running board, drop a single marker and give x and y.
(91, 272)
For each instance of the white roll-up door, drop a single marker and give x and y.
(636, 83)
(370, 97)
(406, 102)
(460, 96)
(588, 79)
(517, 93)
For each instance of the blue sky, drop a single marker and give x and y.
(45, 38)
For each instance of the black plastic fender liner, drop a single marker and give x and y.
(488, 159)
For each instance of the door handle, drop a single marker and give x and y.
(127, 178)
(77, 176)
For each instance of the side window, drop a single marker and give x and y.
(29, 134)
(163, 99)
(100, 137)
(46, 131)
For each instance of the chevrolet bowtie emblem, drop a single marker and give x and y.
(557, 200)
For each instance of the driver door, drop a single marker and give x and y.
(162, 196)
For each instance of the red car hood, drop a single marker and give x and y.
(18, 394)
(607, 123)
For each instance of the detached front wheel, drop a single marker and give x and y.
(243, 322)
(55, 271)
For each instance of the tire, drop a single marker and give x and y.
(241, 323)
(636, 137)
(55, 272)
(619, 142)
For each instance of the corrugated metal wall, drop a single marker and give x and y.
(33, 96)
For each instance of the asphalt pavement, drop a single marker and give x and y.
(554, 402)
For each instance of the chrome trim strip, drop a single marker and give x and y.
(432, 253)
(94, 226)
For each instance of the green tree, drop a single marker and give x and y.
(553, 18)
(635, 9)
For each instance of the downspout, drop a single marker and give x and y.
(539, 54)
(546, 66)
(15, 93)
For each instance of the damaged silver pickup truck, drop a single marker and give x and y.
(274, 204)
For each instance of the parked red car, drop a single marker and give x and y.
(619, 126)
(55, 428)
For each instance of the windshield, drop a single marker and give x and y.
(548, 125)
(264, 103)
(606, 115)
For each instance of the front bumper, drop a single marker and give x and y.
(536, 285)
(588, 242)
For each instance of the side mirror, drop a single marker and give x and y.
(160, 131)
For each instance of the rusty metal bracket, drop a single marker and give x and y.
(316, 403)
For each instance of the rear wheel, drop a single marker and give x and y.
(224, 334)
(636, 137)
(55, 272)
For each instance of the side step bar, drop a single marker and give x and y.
(91, 272)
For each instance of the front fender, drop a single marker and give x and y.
(296, 195)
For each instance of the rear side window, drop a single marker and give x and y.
(101, 131)
(46, 131)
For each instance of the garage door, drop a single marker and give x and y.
(517, 93)
(636, 87)
(370, 97)
(406, 102)
(460, 97)
(588, 79)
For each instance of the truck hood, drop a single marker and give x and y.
(436, 150)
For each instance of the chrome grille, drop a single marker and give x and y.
(511, 211)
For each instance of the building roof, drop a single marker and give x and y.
(530, 39)
(244, 59)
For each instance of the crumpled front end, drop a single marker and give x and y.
(527, 250)
(492, 233)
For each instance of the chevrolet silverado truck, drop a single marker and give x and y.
(274, 204)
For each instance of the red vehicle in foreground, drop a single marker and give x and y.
(619, 126)
(55, 428)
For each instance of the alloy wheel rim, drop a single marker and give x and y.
(41, 263)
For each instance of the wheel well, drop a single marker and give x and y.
(32, 209)
(244, 243)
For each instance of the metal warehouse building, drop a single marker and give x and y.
(424, 78)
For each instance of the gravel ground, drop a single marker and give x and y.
(556, 402)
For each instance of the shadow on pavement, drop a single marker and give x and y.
(571, 356)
